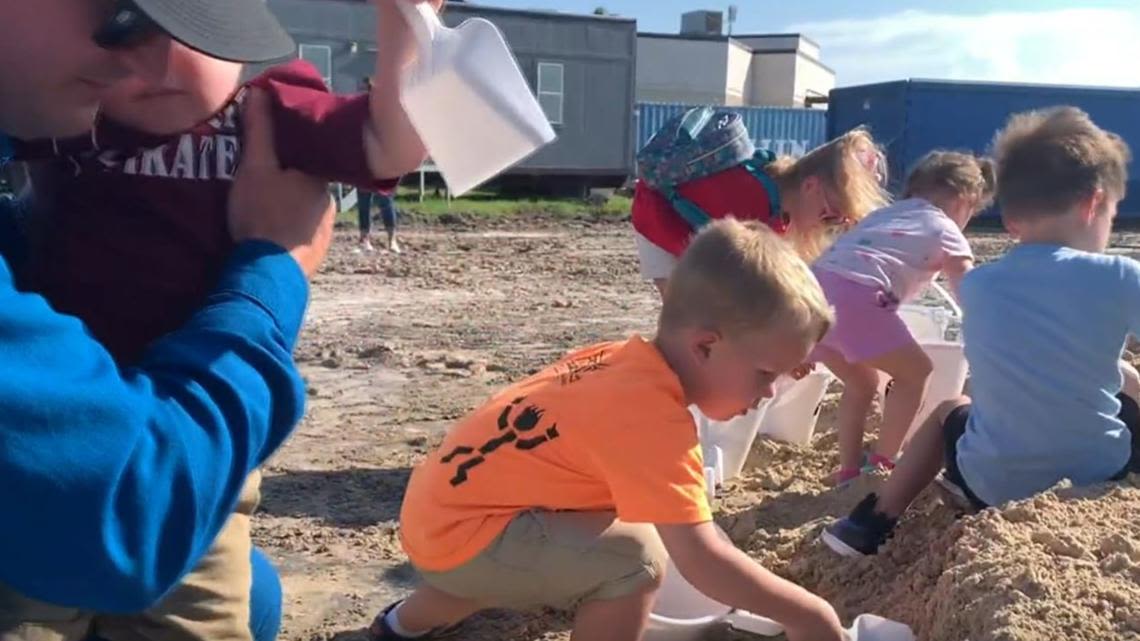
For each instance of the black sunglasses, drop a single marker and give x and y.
(125, 27)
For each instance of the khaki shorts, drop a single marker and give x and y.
(559, 560)
(210, 604)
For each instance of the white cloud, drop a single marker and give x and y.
(1067, 46)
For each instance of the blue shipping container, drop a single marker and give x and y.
(785, 131)
(913, 117)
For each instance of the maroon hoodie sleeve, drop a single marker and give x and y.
(318, 132)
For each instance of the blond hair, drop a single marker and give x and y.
(1049, 161)
(740, 277)
(951, 174)
(853, 170)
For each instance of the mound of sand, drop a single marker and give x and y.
(1063, 565)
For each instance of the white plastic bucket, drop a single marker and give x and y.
(682, 613)
(869, 627)
(729, 441)
(946, 382)
(469, 101)
(926, 323)
(794, 412)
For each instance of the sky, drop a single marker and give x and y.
(1083, 42)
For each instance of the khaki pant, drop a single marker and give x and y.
(210, 604)
(559, 560)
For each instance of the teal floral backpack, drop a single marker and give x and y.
(698, 143)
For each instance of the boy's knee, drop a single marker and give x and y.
(946, 408)
(632, 561)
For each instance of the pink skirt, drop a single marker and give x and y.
(867, 322)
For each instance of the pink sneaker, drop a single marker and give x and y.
(843, 476)
(879, 462)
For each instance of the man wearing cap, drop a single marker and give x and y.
(114, 483)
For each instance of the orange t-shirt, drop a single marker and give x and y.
(605, 428)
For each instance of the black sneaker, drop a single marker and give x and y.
(381, 631)
(861, 533)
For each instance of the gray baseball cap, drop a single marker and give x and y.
(237, 30)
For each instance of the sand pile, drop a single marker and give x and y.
(1063, 565)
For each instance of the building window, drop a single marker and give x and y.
(551, 77)
(321, 58)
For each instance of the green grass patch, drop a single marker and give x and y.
(482, 205)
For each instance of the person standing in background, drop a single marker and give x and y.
(388, 211)
(388, 215)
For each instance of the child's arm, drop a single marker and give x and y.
(724, 573)
(391, 143)
(955, 268)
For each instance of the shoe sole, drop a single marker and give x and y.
(839, 547)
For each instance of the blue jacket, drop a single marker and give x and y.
(115, 482)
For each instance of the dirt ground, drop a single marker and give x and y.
(397, 347)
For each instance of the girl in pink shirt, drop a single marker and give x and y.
(886, 260)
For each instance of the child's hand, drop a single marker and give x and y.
(824, 625)
(392, 145)
(395, 40)
(802, 371)
(269, 203)
(707, 559)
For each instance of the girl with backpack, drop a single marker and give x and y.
(702, 166)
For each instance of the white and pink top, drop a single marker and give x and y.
(898, 249)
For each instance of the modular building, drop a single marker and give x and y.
(581, 67)
(913, 117)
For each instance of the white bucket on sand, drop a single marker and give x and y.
(469, 101)
(681, 613)
(869, 627)
(926, 323)
(794, 412)
(730, 440)
(946, 382)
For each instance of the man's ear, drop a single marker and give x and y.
(1091, 206)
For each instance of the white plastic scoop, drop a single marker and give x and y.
(468, 100)
(869, 627)
(683, 613)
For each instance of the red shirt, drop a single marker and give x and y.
(132, 228)
(733, 192)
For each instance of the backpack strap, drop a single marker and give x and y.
(755, 166)
(697, 218)
(687, 209)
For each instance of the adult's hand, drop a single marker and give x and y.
(269, 203)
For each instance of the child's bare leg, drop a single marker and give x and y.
(910, 368)
(1131, 377)
(924, 459)
(859, 386)
(621, 619)
(428, 608)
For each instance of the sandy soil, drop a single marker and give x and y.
(397, 347)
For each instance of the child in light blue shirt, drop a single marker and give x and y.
(1044, 349)
(1044, 328)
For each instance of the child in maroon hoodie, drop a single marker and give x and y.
(157, 169)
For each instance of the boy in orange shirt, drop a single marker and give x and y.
(572, 488)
